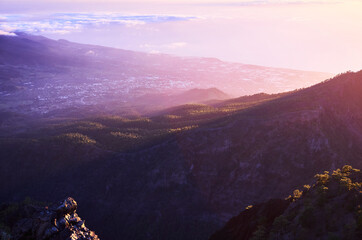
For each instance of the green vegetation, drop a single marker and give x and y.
(329, 209)
(322, 179)
(74, 138)
(122, 134)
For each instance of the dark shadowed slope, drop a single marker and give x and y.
(186, 185)
(330, 209)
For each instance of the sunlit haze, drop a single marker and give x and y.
(308, 35)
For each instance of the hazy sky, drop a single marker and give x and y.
(301, 34)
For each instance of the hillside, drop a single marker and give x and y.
(206, 163)
(329, 209)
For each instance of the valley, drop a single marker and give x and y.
(182, 173)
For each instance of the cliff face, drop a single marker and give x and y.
(31, 222)
(330, 209)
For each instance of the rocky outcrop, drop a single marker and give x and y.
(54, 223)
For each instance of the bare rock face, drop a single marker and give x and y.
(54, 223)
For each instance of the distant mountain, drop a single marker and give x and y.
(42, 76)
(184, 173)
(195, 95)
(198, 95)
(330, 209)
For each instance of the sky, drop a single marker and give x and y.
(314, 35)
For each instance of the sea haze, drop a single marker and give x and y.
(303, 35)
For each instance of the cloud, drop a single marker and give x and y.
(157, 48)
(298, 19)
(176, 45)
(67, 22)
(162, 48)
(7, 33)
(247, 3)
(154, 52)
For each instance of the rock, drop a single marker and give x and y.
(68, 206)
(60, 222)
(81, 224)
(74, 218)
